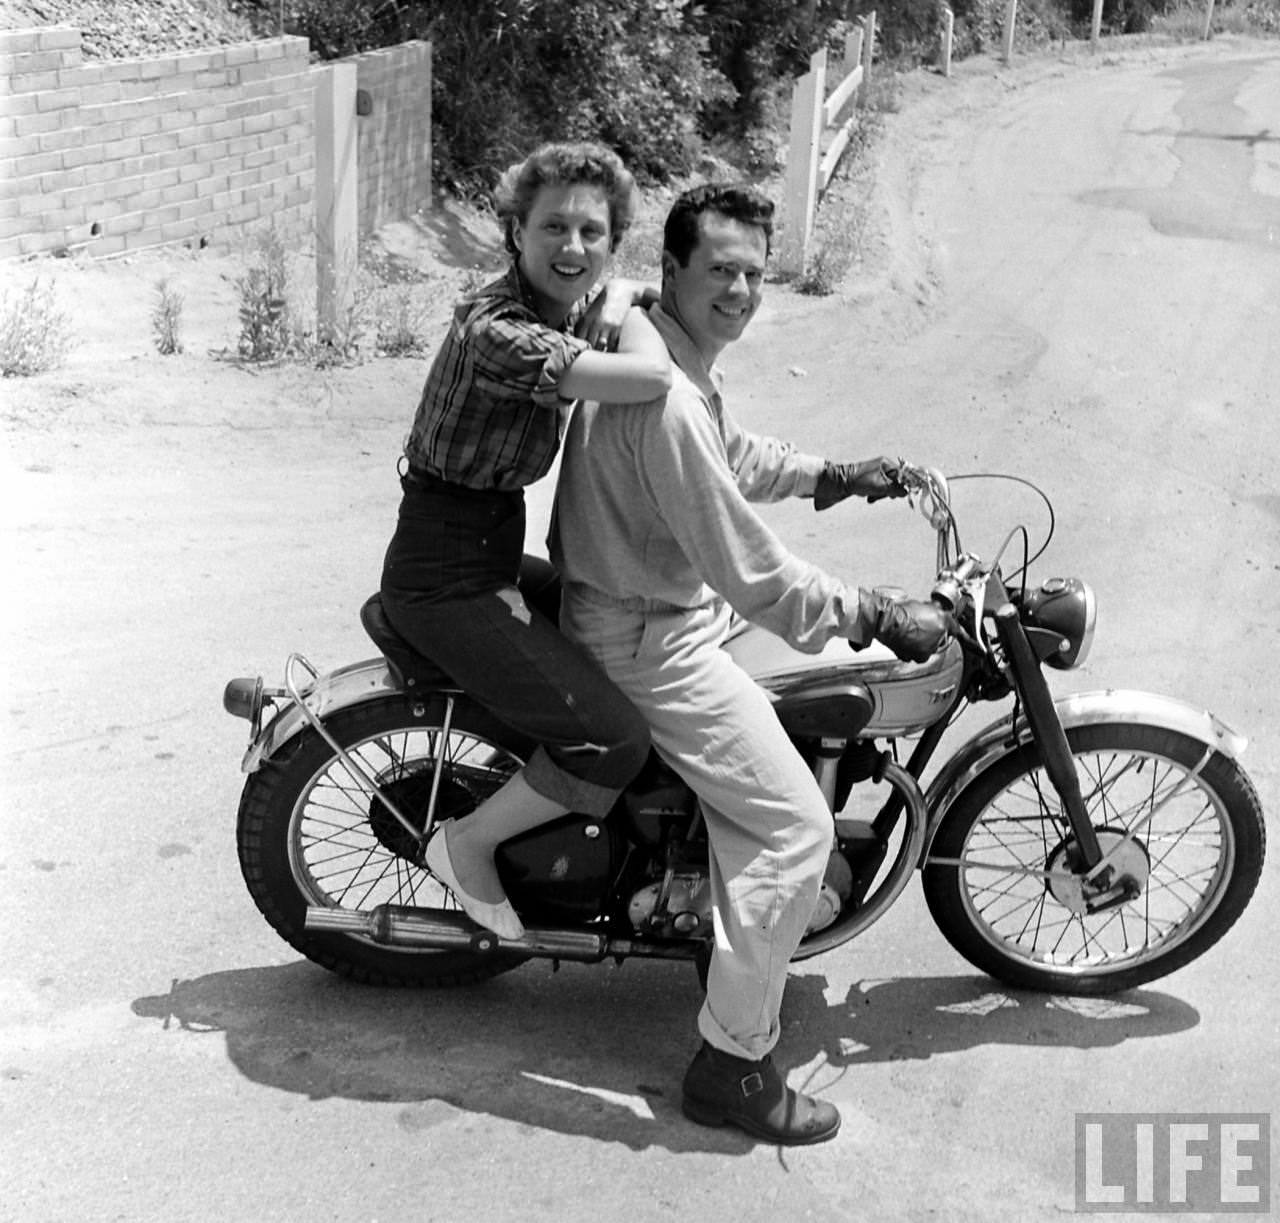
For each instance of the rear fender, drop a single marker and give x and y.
(1080, 709)
(351, 685)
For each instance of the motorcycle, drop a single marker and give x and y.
(1083, 845)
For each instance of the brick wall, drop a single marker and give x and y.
(393, 141)
(199, 147)
(115, 155)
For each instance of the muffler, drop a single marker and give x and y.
(400, 926)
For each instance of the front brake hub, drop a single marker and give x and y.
(1126, 876)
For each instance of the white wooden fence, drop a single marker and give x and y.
(819, 137)
(1011, 18)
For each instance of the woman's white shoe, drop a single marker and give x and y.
(500, 918)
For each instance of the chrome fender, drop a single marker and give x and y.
(349, 685)
(1079, 709)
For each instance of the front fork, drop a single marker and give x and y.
(1046, 731)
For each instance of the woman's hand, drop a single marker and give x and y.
(601, 325)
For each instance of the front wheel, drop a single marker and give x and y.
(1185, 828)
(310, 833)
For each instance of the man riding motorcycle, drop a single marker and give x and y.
(656, 542)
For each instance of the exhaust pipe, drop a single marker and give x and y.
(400, 926)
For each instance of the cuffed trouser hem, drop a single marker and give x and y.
(552, 782)
(718, 1038)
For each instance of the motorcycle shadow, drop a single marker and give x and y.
(594, 1051)
(914, 1018)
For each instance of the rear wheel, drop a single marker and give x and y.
(1002, 879)
(311, 834)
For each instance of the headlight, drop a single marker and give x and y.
(1065, 607)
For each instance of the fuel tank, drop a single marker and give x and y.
(826, 690)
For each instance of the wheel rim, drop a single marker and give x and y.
(346, 849)
(1153, 807)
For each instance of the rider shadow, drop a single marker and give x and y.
(596, 1052)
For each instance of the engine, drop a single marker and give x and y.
(676, 906)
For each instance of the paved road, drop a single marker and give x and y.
(1084, 291)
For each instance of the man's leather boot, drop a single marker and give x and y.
(720, 1089)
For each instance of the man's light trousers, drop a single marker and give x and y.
(769, 827)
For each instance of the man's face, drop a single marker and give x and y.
(718, 292)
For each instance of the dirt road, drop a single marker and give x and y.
(1074, 277)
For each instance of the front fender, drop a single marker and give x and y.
(350, 685)
(1079, 709)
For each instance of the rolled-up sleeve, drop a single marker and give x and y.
(518, 358)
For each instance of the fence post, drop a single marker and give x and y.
(868, 53)
(336, 197)
(1097, 25)
(948, 36)
(852, 50)
(1010, 20)
(802, 163)
(1208, 21)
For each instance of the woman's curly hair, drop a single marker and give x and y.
(559, 165)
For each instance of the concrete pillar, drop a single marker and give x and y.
(337, 243)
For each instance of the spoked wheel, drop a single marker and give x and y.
(310, 833)
(1002, 877)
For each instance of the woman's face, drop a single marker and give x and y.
(563, 244)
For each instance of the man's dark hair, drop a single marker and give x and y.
(737, 201)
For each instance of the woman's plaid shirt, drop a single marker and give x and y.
(491, 415)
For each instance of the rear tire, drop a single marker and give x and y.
(309, 835)
(999, 879)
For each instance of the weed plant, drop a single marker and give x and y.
(35, 334)
(266, 330)
(400, 320)
(166, 318)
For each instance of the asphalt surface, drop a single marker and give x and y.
(1082, 288)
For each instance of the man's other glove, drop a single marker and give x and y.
(872, 479)
(913, 629)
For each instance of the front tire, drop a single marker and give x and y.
(999, 876)
(310, 834)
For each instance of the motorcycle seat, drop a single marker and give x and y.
(409, 669)
(538, 582)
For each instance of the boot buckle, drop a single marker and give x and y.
(752, 1084)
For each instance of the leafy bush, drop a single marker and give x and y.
(1118, 16)
(510, 74)
(34, 332)
(754, 44)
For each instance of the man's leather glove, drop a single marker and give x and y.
(872, 479)
(913, 629)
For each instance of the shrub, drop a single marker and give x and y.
(631, 73)
(34, 332)
(756, 43)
